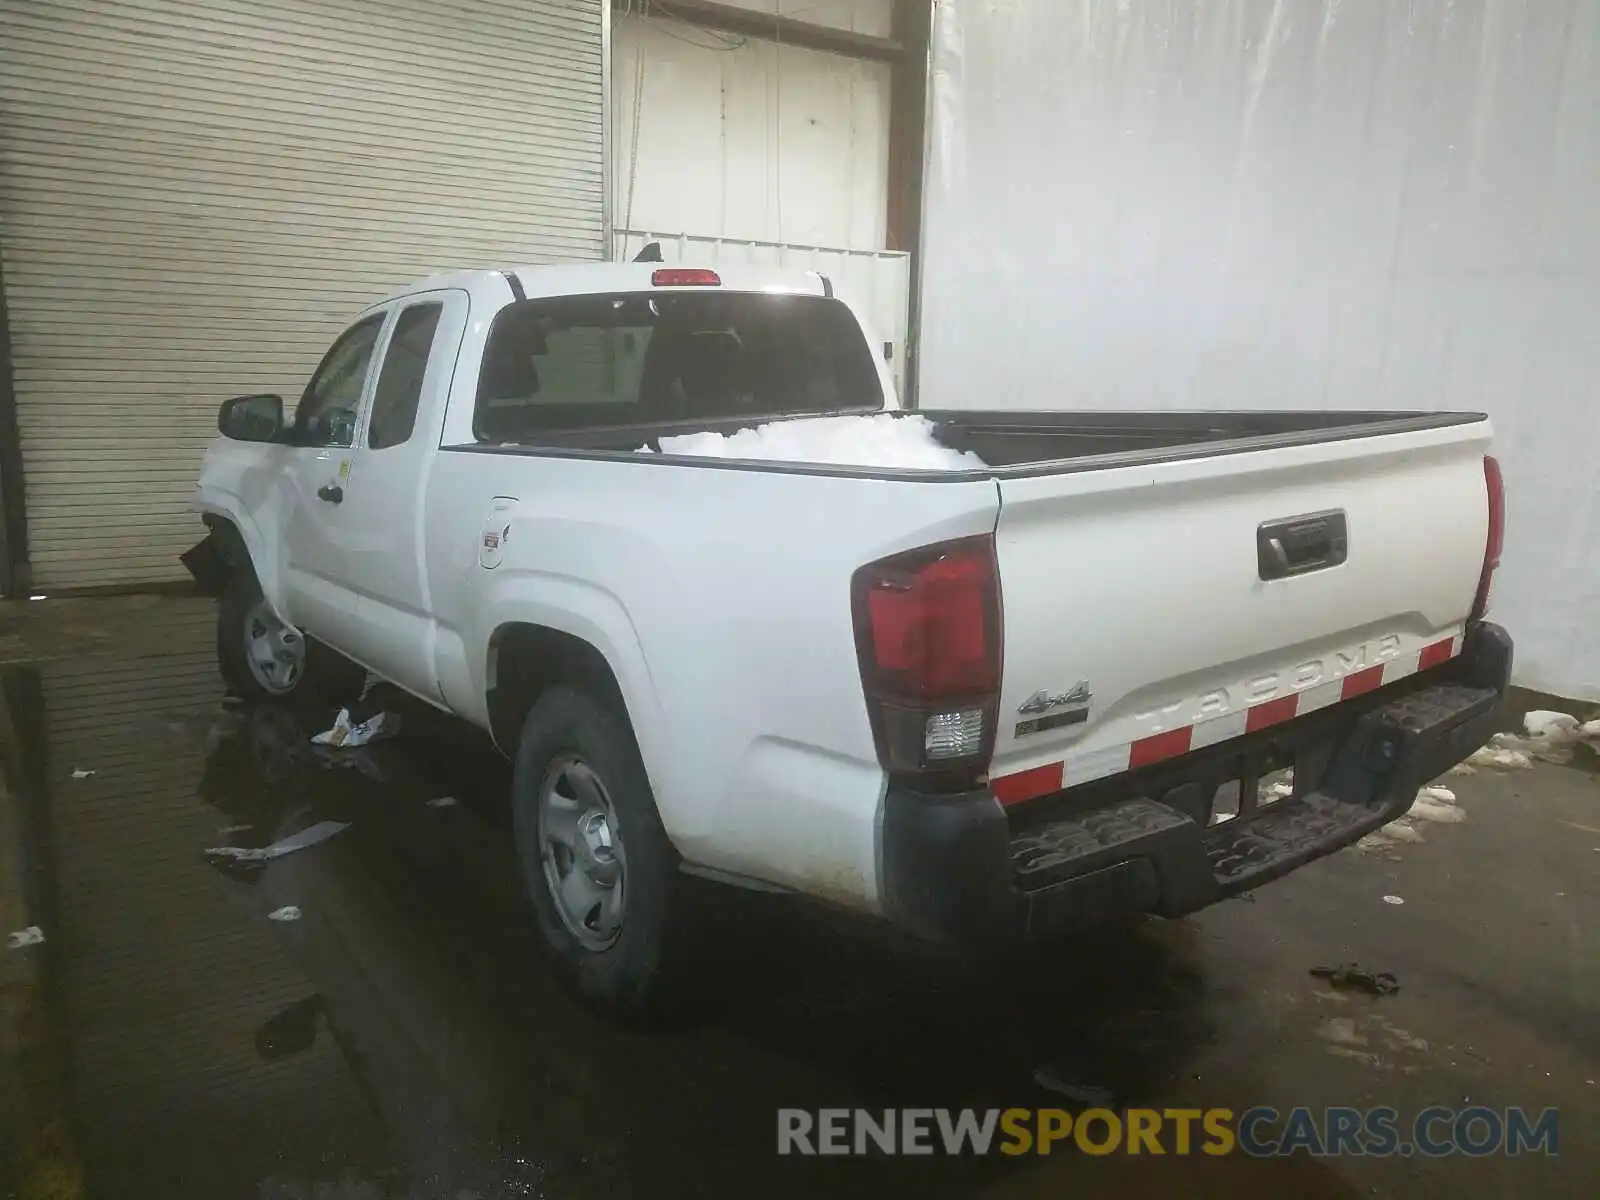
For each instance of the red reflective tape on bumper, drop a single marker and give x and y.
(1437, 653)
(1025, 785)
(1361, 682)
(1270, 713)
(1159, 746)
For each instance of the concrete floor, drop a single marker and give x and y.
(402, 1038)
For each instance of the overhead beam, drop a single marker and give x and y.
(912, 24)
(727, 18)
(908, 101)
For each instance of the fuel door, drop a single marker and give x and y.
(496, 529)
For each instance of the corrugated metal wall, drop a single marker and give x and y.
(196, 194)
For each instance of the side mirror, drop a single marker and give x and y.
(251, 418)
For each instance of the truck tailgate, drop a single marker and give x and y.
(1156, 609)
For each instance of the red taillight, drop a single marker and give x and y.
(1496, 488)
(684, 277)
(928, 640)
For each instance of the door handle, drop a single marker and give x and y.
(331, 492)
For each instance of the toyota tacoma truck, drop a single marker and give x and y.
(1029, 690)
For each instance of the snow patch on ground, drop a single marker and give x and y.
(1435, 804)
(1547, 735)
(878, 441)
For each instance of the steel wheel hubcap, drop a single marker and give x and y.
(580, 848)
(276, 653)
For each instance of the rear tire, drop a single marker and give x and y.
(597, 864)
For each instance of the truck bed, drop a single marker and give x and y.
(1026, 442)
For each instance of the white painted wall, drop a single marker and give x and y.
(743, 138)
(1295, 204)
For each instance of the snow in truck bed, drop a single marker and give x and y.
(905, 442)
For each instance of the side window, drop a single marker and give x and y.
(405, 362)
(326, 414)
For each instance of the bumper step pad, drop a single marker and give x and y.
(1379, 763)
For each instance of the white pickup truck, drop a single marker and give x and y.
(986, 702)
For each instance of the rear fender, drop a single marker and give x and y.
(597, 617)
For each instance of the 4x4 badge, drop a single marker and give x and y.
(1050, 710)
(1043, 701)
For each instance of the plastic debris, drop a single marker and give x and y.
(309, 836)
(287, 913)
(1351, 975)
(1463, 768)
(1086, 1094)
(346, 735)
(442, 802)
(31, 936)
(80, 773)
(367, 684)
(1394, 899)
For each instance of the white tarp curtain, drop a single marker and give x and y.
(1300, 204)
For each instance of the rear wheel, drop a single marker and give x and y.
(596, 862)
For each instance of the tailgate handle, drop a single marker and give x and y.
(1300, 545)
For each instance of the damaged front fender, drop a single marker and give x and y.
(209, 562)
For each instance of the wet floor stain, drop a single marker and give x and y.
(179, 1033)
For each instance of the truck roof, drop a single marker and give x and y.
(579, 279)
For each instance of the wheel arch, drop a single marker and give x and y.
(526, 659)
(241, 546)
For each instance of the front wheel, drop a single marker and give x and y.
(596, 862)
(261, 658)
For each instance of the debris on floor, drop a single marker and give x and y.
(1394, 899)
(287, 913)
(1351, 975)
(80, 773)
(1086, 1094)
(347, 735)
(31, 936)
(442, 802)
(309, 836)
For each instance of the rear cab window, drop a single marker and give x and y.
(405, 365)
(585, 362)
